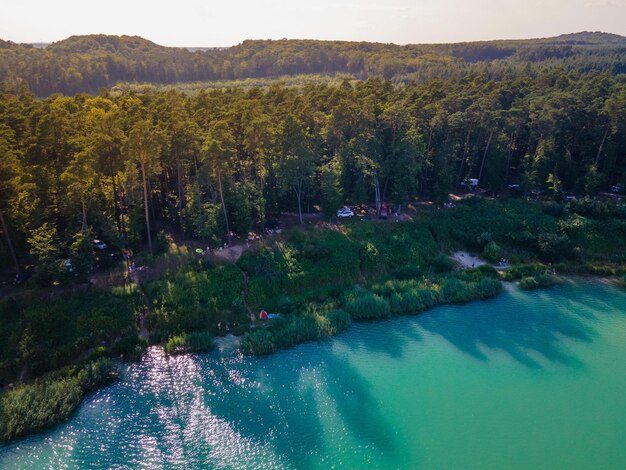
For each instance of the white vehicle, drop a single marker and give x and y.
(345, 212)
(99, 244)
(68, 265)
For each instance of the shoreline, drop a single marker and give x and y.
(232, 343)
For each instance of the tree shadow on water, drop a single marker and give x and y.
(398, 333)
(356, 404)
(278, 410)
(284, 407)
(526, 327)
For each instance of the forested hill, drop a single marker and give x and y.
(87, 63)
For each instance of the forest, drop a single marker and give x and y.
(88, 63)
(539, 126)
(123, 166)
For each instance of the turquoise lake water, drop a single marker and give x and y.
(529, 380)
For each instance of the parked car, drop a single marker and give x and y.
(617, 189)
(68, 265)
(99, 245)
(345, 212)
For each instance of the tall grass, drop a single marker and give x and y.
(362, 304)
(196, 299)
(30, 408)
(43, 336)
(197, 341)
(290, 330)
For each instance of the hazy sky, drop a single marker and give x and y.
(224, 23)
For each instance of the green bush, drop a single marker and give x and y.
(33, 408)
(196, 299)
(520, 271)
(161, 242)
(199, 341)
(537, 281)
(289, 330)
(131, 347)
(96, 374)
(408, 271)
(487, 287)
(454, 290)
(196, 341)
(175, 344)
(442, 263)
(413, 301)
(52, 334)
(30, 408)
(555, 247)
(528, 283)
(476, 274)
(492, 252)
(362, 304)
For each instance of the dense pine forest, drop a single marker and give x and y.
(227, 160)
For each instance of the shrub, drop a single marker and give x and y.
(524, 270)
(537, 281)
(130, 346)
(554, 247)
(413, 301)
(196, 299)
(176, 344)
(476, 274)
(33, 408)
(528, 283)
(97, 374)
(484, 239)
(161, 242)
(408, 271)
(196, 341)
(290, 330)
(492, 252)
(553, 208)
(487, 287)
(57, 332)
(362, 304)
(442, 263)
(258, 342)
(199, 341)
(38, 406)
(455, 291)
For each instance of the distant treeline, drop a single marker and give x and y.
(88, 63)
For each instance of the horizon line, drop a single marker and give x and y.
(44, 43)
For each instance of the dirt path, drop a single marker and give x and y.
(467, 260)
(146, 311)
(231, 253)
